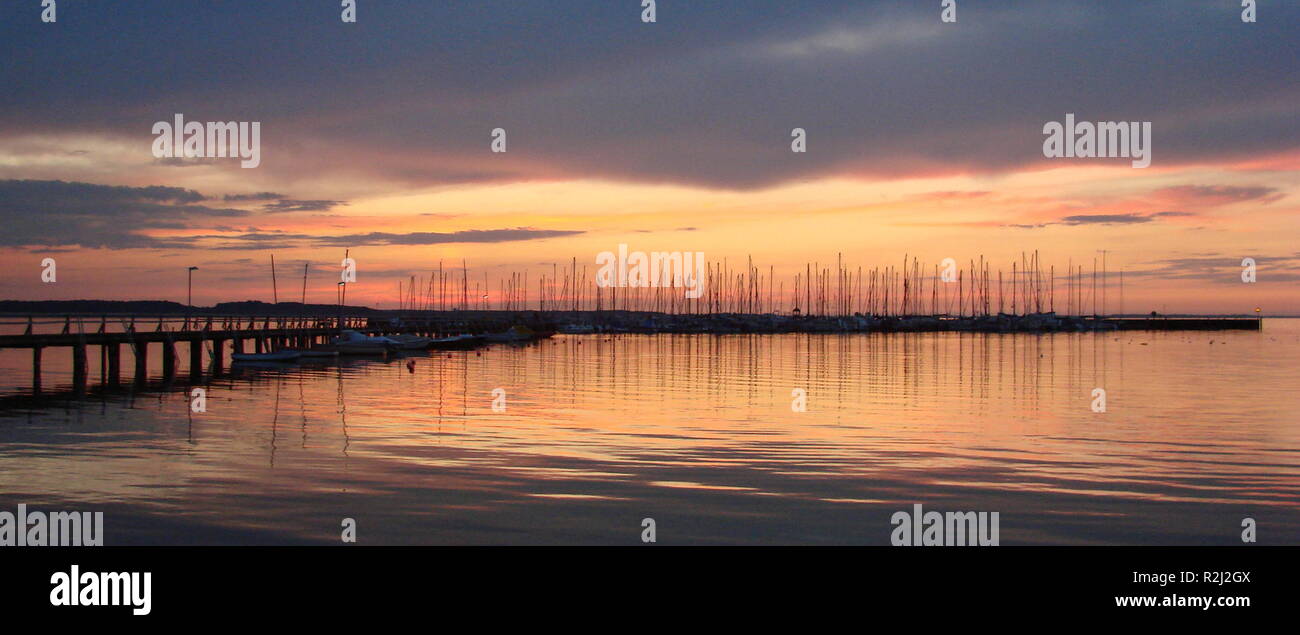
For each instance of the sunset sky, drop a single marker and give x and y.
(923, 138)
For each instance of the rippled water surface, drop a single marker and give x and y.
(697, 432)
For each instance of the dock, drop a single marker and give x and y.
(214, 333)
(211, 333)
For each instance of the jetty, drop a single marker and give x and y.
(209, 338)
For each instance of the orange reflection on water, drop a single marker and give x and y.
(698, 432)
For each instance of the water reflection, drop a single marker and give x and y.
(695, 431)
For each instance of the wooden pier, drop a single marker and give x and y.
(260, 334)
(267, 334)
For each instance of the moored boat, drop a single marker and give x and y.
(456, 342)
(354, 343)
(278, 356)
(320, 352)
(411, 342)
(577, 329)
(516, 333)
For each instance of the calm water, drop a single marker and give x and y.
(696, 432)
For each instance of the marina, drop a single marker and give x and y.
(210, 339)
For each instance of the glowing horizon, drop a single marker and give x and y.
(924, 141)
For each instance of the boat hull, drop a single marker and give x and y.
(362, 349)
(456, 343)
(280, 356)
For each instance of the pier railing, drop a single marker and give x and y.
(32, 325)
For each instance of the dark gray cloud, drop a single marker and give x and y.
(435, 238)
(259, 196)
(281, 240)
(254, 241)
(1105, 219)
(1221, 268)
(60, 213)
(291, 205)
(63, 214)
(708, 95)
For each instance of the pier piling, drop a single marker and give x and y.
(169, 359)
(114, 363)
(218, 355)
(79, 367)
(141, 362)
(36, 370)
(196, 358)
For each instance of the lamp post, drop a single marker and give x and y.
(189, 294)
(342, 291)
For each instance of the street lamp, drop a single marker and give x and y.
(189, 294)
(342, 291)
(189, 275)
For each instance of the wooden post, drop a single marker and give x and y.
(36, 370)
(79, 367)
(141, 362)
(169, 359)
(196, 358)
(218, 355)
(114, 351)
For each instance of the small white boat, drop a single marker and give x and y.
(456, 342)
(278, 356)
(318, 352)
(412, 342)
(354, 343)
